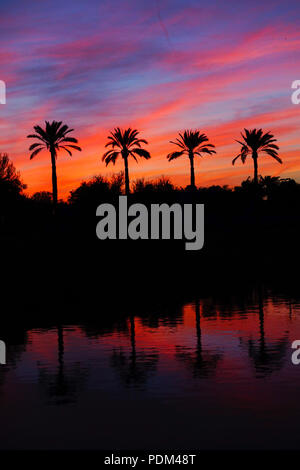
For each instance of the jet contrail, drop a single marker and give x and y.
(163, 26)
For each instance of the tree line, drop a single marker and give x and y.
(126, 143)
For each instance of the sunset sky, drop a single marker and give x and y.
(158, 65)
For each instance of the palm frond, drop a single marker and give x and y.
(69, 139)
(35, 153)
(75, 147)
(255, 141)
(33, 146)
(174, 155)
(67, 150)
(273, 154)
(110, 157)
(53, 136)
(127, 141)
(235, 159)
(141, 153)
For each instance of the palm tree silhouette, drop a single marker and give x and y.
(191, 143)
(125, 143)
(255, 141)
(53, 138)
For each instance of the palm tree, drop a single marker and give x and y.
(53, 138)
(191, 143)
(255, 141)
(125, 143)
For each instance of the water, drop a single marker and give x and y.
(205, 375)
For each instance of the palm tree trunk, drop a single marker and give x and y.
(54, 179)
(192, 170)
(127, 187)
(254, 156)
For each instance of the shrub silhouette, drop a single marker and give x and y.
(11, 185)
(161, 185)
(96, 190)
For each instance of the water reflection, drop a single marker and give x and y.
(218, 359)
(134, 367)
(203, 363)
(63, 383)
(267, 356)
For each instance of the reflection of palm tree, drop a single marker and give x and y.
(198, 328)
(134, 369)
(61, 349)
(125, 143)
(54, 138)
(261, 318)
(202, 363)
(62, 386)
(290, 309)
(255, 141)
(266, 356)
(132, 337)
(191, 143)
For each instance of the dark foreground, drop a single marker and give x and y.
(210, 373)
(143, 345)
